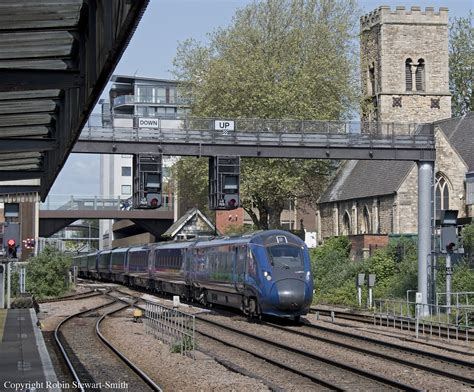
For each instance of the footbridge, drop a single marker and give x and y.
(259, 138)
(55, 215)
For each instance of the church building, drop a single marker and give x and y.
(405, 79)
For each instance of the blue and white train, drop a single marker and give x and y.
(267, 272)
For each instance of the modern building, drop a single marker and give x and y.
(404, 68)
(133, 100)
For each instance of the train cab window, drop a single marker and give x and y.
(285, 256)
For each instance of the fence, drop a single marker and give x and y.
(453, 322)
(173, 327)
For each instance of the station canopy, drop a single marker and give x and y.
(56, 57)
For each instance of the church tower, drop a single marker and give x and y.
(404, 65)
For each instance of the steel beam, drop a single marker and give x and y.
(20, 175)
(14, 79)
(276, 151)
(30, 145)
(8, 189)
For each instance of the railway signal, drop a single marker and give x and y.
(224, 183)
(11, 248)
(147, 181)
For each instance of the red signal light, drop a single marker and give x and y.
(11, 243)
(154, 202)
(232, 202)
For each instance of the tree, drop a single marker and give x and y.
(285, 59)
(461, 64)
(47, 273)
(191, 176)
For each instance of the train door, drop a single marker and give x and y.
(240, 266)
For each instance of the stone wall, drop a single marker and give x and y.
(451, 166)
(415, 108)
(379, 211)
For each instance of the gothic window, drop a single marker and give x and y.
(442, 194)
(420, 75)
(366, 221)
(408, 75)
(346, 224)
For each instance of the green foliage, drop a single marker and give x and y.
(286, 59)
(461, 64)
(468, 243)
(382, 265)
(396, 269)
(47, 273)
(191, 177)
(463, 278)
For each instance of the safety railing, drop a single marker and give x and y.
(454, 322)
(171, 326)
(458, 299)
(260, 131)
(85, 202)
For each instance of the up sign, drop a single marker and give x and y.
(224, 125)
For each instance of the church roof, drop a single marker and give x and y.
(361, 179)
(460, 133)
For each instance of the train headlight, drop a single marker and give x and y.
(267, 275)
(308, 276)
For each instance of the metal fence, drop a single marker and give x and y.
(452, 322)
(173, 327)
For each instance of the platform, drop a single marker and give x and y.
(25, 364)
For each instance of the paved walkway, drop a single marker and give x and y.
(25, 364)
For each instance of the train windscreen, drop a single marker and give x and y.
(285, 256)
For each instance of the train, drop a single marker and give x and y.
(262, 273)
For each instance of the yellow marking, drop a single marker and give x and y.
(3, 317)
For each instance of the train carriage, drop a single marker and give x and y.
(137, 267)
(118, 262)
(103, 264)
(92, 265)
(167, 267)
(267, 272)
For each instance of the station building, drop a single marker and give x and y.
(405, 78)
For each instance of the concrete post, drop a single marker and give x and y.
(425, 172)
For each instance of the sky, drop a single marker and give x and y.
(153, 47)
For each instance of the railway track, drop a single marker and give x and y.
(92, 360)
(398, 323)
(300, 364)
(450, 367)
(73, 297)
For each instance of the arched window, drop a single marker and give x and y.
(442, 194)
(346, 224)
(420, 75)
(366, 221)
(408, 75)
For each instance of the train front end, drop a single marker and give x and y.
(284, 266)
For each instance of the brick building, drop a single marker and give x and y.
(404, 69)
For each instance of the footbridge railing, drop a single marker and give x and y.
(261, 133)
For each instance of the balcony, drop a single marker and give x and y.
(144, 99)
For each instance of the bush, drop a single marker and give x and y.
(47, 274)
(468, 243)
